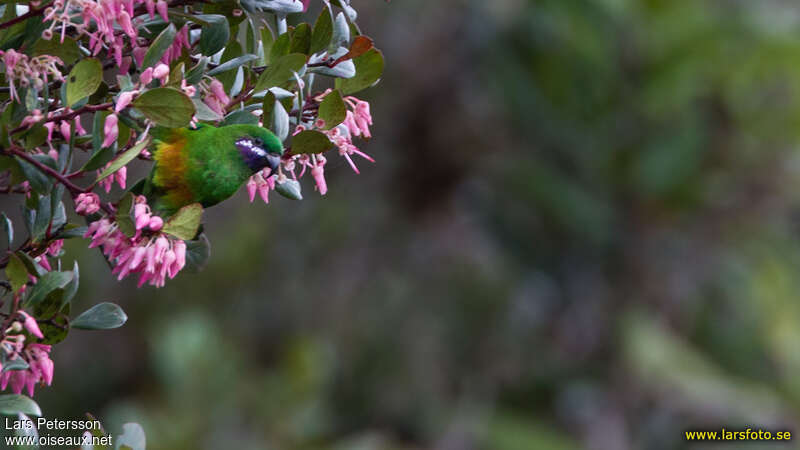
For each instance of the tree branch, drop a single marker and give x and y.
(70, 115)
(26, 16)
(74, 190)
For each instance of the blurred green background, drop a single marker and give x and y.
(582, 231)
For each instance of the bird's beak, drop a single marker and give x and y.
(273, 161)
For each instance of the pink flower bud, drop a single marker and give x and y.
(319, 178)
(138, 257)
(87, 203)
(65, 129)
(46, 366)
(49, 126)
(124, 21)
(161, 7)
(126, 65)
(180, 254)
(42, 260)
(141, 216)
(121, 176)
(124, 100)
(155, 223)
(31, 325)
(161, 72)
(111, 130)
(138, 56)
(18, 380)
(219, 91)
(151, 8)
(78, 127)
(251, 189)
(55, 247)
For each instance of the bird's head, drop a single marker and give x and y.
(258, 146)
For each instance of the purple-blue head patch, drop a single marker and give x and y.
(254, 155)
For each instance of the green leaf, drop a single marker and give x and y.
(99, 159)
(123, 216)
(35, 136)
(198, 251)
(203, 112)
(43, 215)
(132, 438)
(232, 64)
(266, 43)
(59, 216)
(46, 284)
(215, 35)
(280, 71)
(159, 45)
(289, 189)
(341, 33)
(8, 228)
(103, 316)
(40, 182)
(267, 107)
(195, 74)
(32, 266)
(369, 68)
(323, 32)
(301, 39)
(71, 231)
(123, 159)
(31, 99)
(166, 107)
(310, 141)
(280, 47)
(68, 50)
(13, 404)
(97, 129)
(280, 121)
(232, 50)
(26, 433)
(240, 116)
(56, 308)
(225, 9)
(16, 272)
(83, 80)
(72, 287)
(185, 223)
(332, 109)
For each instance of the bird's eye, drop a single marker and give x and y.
(258, 142)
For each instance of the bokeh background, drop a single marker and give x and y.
(582, 231)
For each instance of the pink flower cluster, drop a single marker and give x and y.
(87, 203)
(150, 253)
(53, 250)
(37, 356)
(262, 183)
(29, 71)
(216, 98)
(120, 176)
(356, 124)
(39, 371)
(108, 17)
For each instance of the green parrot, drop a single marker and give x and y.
(206, 165)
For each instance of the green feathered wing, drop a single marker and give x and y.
(194, 166)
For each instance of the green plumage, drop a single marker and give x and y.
(207, 165)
